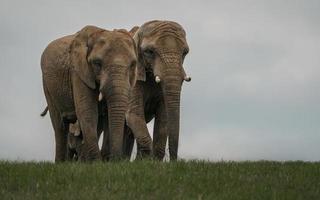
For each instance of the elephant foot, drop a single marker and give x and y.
(159, 156)
(144, 152)
(90, 155)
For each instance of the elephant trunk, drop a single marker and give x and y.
(172, 91)
(117, 103)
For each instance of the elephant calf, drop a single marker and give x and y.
(75, 141)
(87, 77)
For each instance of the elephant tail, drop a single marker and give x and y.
(44, 112)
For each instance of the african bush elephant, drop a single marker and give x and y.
(162, 47)
(87, 76)
(74, 141)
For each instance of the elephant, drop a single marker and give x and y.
(74, 142)
(87, 77)
(161, 48)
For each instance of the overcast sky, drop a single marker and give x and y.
(255, 67)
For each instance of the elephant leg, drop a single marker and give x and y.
(60, 135)
(59, 129)
(136, 121)
(71, 154)
(139, 128)
(128, 141)
(86, 106)
(160, 132)
(105, 149)
(90, 138)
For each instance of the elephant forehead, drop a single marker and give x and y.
(113, 49)
(164, 38)
(165, 44)
(122, 53)
(122, 38)
(161, 27)
(170, 43)
(115, 38)
(148, 41)
(120, 60)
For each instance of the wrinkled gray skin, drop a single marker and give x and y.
(162, 47)
(75, 69)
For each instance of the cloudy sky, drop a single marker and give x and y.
(255, 67)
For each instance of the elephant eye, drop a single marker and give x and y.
(97, 63)
(149, 53)
(133, 64)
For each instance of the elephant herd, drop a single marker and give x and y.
(115, 82)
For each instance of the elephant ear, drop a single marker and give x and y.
(141, 71)
(133, 30)
(79, 51)
(133, 74)
(75, 128)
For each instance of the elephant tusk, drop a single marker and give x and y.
(157, 79)
(187, 78)
(100, 96)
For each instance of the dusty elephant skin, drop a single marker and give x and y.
(162, 47)
(87, 77)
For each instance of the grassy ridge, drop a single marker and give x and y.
(156, 180)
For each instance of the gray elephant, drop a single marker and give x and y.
(87, 77)
(162, 47)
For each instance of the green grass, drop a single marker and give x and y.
(156, 180)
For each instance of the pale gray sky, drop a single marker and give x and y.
(255, 70)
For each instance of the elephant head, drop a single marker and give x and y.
(106, 62)
(162, 47)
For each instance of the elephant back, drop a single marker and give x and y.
(56, 73)
(56, 54)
